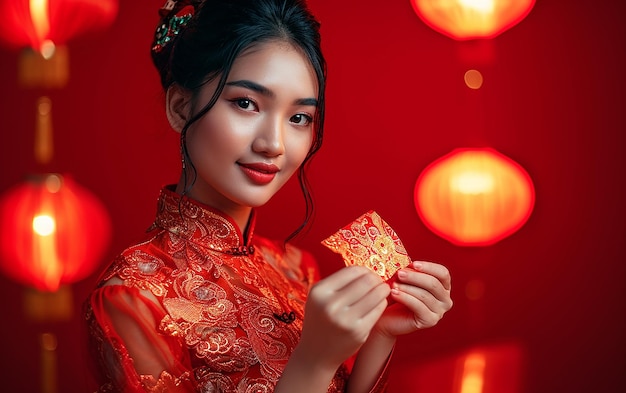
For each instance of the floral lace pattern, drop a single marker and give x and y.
(223, 308)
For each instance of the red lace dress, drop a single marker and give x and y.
(199, 307)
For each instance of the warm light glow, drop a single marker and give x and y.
(45, 259)
(40, 17)
(44, 106)
(38, 23)
(44, 225)
(53, 183)
(482, 6)
(472, 182)
(471, 19)
(52, 232)
(48, 49)
(49, 363)
(473, 79)
(495, 367)
(49, 342)
(474, 196)
(473, 373)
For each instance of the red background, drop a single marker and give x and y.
(553, 100)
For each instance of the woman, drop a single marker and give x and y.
(205, 305)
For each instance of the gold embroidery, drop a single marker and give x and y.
(139, 269)
(220, 306)
(165, 383)
(369, 241)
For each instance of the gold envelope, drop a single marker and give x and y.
(369, 241)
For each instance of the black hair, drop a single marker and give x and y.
(218, 32)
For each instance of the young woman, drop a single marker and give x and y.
(204, 304)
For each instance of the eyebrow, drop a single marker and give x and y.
(246, 84)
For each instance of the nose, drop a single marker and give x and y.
(269, 140)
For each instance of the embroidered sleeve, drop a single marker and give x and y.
(133, 355)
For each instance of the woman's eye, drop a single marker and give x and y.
(245, 104)
(301, 119)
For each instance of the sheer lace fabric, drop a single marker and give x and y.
(199, 307)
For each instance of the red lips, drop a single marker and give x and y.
(258, 172)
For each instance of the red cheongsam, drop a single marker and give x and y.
(200, 307)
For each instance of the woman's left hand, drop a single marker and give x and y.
(422, 296)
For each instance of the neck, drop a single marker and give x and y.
(241, 216)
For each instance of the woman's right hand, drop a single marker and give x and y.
(339, 314)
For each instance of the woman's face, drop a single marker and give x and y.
(259, 131)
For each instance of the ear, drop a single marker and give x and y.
(177, 106)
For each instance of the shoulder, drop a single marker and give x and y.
(143, 266)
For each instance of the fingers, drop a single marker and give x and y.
(366, 289)
(354, 291)
(435, 270)
(370, 306)
(432, 277)
(429, 285)
(372, 315)
(340, 312)
(343, 277)
(349, 283)
(421, 314)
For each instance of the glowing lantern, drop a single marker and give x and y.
(52, 232)
(471, 19)
(33, 23)
(474, 196)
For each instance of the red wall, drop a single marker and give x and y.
(553, 100)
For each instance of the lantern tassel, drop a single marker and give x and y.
(44, 149)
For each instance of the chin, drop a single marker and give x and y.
(255, 202)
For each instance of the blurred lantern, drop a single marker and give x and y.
(474, 197)
(41, 28)
(38, 23)
(471, 19)
(52, 232)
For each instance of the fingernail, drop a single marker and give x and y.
(402, 274)
(417, 265)
(395, 291)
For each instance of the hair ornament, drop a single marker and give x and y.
(171, 25)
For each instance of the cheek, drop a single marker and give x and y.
(299, 147)
(219, 134)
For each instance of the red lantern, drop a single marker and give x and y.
(470, 19)
(52, 232)
(30, 23)
(474, 197)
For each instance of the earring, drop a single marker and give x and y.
(182, 150)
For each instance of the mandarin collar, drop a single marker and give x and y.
(202, 224)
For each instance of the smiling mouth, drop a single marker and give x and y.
(259, 173)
